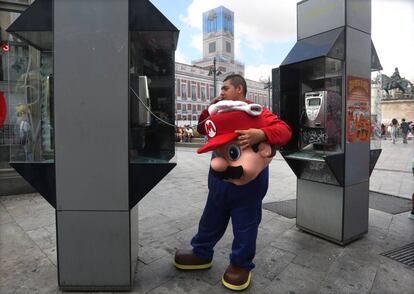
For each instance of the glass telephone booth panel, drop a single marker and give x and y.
(151, 97)
(320, 105)
(34, 109)
(26, 81)
(312, 106)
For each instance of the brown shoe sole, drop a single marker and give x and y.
(237, 287)
(192, 267)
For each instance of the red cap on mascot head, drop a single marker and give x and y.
(221, 127)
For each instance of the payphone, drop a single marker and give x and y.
(315, 109)
(140, 101)
(144, 116)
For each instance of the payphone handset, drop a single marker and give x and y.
(144, 115)
(315, 109)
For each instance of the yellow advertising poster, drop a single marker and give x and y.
(358, 111)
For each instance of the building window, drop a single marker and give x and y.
(193, 92)
(179, 117)
(203, 93)
(212, 22)
(184, 108)
(194, 117)
(178, 106)
(199, 107)
(194, 108)
(177, 88)
(228, 23)
(189, 117)
(183, 91)
(189, 107)
(212, 47)
(211, 92)
(228, 47)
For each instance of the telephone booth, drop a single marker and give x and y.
(322, 90)
(102, 127)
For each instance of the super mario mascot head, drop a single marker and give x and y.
(231, 163)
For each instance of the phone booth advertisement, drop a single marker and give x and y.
(358, 120)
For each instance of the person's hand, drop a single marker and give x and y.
(250, 137)
(217, 99)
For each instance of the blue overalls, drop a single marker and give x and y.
(244, 205)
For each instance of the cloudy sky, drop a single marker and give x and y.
(265, 31)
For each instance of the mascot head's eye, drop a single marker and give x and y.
(233, 152)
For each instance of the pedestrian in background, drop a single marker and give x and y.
(404, 129)
(394, 127)
(189, 134)
(383, 132)
(179, 134)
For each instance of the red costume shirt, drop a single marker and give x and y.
(277, 131)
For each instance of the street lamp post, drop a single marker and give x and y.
(215, 72)
(268, 86)
(214, 76)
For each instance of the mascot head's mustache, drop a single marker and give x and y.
(231, 172)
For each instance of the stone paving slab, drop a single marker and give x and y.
(393, 172)
(288, 260)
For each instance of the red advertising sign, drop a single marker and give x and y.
(358, 110)
(3, 109)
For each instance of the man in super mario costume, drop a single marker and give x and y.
(241, 140)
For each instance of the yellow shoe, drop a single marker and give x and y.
(187, 260)
(236, 278)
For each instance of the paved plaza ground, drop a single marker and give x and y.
(288, 260)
